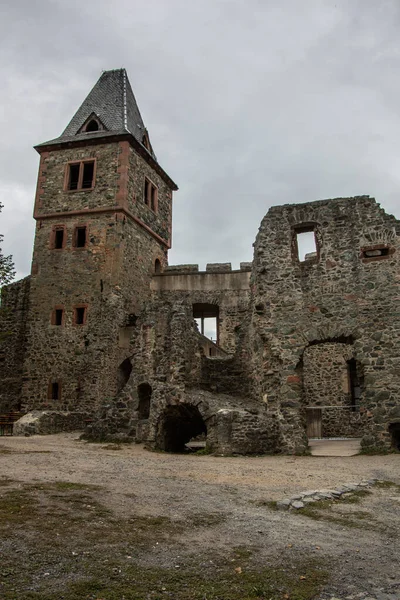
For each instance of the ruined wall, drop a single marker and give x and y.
(218, 285)
(13, 315)
(348, 289)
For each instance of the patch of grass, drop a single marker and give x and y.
(219, 581)
(376, 450)
(112, 447)
(206, 519)
(385, 485)
(203, 452)
(354, 497)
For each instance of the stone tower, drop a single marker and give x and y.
(103, 226)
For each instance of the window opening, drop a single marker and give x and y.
(80, 237)
(73, 177)
(92, 125)
(150, 195)
(207, 319)
(157, 266)
(80, 315)
(375, 252)
(144, 393)
(59, 238)
(81, 175)
(58, 316)
(55, 391)
(124, 372)
(306, 245)
(354, 384)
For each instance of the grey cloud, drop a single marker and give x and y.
(248, 103)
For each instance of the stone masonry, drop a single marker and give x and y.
(102, 337)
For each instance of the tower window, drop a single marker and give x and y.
(150, 195)
(80, 236)
(92, 125)
(58, 237)
(377, 252)
(57, 316)
(80, 175)
(80, 313)
(54, 392)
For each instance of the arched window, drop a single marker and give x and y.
(157, 266)
(92, 125)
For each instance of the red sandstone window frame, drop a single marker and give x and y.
(53, 234)
(75, 309)
(367, 259)
(50, 390)
(75, 236)
(150, 195)
(53, 316)
(81, 164)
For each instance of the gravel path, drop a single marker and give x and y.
(366, 561)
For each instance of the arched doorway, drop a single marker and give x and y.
(178, 424)
(144, 393)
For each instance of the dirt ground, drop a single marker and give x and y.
(107, 522)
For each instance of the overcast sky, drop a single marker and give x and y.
(249, 104)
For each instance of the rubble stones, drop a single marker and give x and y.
(312, 496)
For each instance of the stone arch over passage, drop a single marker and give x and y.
(177, 425)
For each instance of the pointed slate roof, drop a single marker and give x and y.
(113, 102)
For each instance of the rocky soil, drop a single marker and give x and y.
(107, 522)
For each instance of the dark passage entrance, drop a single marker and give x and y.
(124, 372)
(178, 424)
(394, 430)
(144, 393)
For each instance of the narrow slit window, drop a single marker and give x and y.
(58, 316)
(375, 252)
(150, 195)
(153, 198)
(54, 390)
(306, 246)
(80, 315)
(80, 237)
(59, 238)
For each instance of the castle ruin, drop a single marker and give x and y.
(105, 336)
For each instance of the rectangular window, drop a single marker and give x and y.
(80, 315)
(80, 175)
(54, 392)
(150, 196)
(57, 316)
(80, 236)
(58, 239)
(304, 244)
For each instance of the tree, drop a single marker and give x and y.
(7, 270)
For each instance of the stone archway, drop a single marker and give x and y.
(177, 425)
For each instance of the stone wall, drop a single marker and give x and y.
(110, 277)
(218, 286)
(13, 315)
(342, 292)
